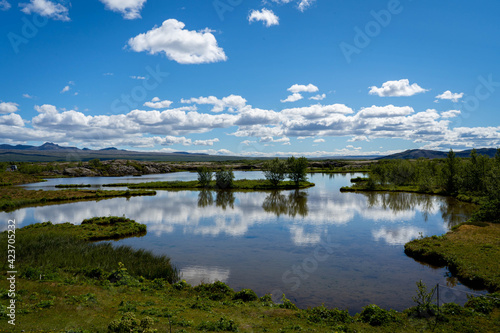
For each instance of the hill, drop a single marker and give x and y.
(431, 154)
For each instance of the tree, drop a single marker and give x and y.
(297, 169)
(204, 176)
(450, 171)
(274, 170)
(224, 178)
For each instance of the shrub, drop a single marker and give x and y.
(330, 316)
(246, 295)
(375, 316)
(224, 179)
(128, 323)
(204, 176)
(482, 304)
(215, 291)
(222, 324)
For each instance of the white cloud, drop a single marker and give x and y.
(319, 97)
(46, 8)
(28, 96)
(298, 88)
(265, 15)
(451, 114)
(450, 96)
(232, 102)
(8, 107)
(358, 138)
(130, 9)
(156, 103)
(12, 119)
(138, 77)
(209, 142)
(292, 98)
(397, 89)
(304, 4)
(65, 89)
(178, 44)
(4, 5)
(319, 140)
(385, 111)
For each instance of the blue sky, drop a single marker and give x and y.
(258, 78)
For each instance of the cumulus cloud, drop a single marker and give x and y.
(319, 97)
(450, 114)
(65, 89)
(397, 89)
(232, 102)
(292, 98)
(450, 96)
(4, 5)
(8, 107)
(178, 44)
(302, 5)
(46, 8)
(319, 141)
(130, 9)
(156, 103)
(12, 119)
(298, 88)
(28, 96)
(385, 111)
(265, 15)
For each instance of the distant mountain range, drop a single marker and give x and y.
(47, 146)
(418, 153)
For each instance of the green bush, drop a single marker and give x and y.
(482, 304)
(222, 324)
(224, 179)
(246, 295)
(204, 176)
(274, 171)
(375, 316)
(128, 323)
(321, 314)
(215, 291)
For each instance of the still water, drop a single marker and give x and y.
(315, 245)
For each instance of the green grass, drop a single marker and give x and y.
(72, 185)
(243, 184)
(94, 229)
(63, 253)
(12, 198)
(471, 251)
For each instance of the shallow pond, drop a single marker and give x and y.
(315, 245)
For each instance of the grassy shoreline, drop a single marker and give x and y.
(15, 197)
(470, 251)
(242, 184)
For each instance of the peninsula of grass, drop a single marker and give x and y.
(72, 185)
(362, 185)
(12, 198)
(243, 184)
(94, 229)
(471, 251)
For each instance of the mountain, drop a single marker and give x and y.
(53, 146)
(418, 153)
(18, 147)
(108, 149)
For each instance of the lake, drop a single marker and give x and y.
(316, 245)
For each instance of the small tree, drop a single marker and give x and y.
(450, 171)
(224, 178)
(297, 169)
(204, 176)
(274, 170)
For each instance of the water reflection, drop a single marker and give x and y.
(397, 236)
(202, 274)
(293, 204)
(452, 211)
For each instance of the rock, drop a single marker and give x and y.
(80, 172)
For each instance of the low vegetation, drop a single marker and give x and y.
(242, 184)
(12, 198)
(471, 251)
